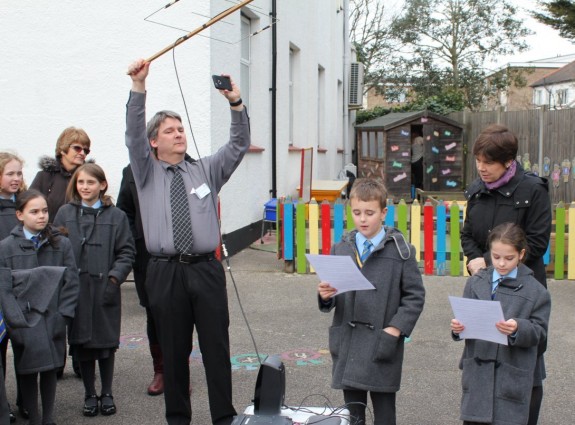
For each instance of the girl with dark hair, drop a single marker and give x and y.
(39, 350)
(498, 380)
(104, 251)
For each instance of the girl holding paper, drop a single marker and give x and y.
(498, 379)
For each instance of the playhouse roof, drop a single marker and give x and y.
(395, 119)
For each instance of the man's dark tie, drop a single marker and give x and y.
(2, 328)
(181, 221)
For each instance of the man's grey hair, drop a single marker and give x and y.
(159, 118)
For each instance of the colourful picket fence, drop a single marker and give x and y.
(312, 228)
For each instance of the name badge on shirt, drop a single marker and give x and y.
(202, 191)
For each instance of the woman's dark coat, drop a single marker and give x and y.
(364, 356)
(129, 203)
(103, 248)
(524, 200)
(52, 180)
(497, 379)
(42, 347)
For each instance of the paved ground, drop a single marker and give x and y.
(282, 312)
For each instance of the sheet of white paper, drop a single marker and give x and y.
(340, 271)
(479, 318)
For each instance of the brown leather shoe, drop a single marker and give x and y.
(157, 385)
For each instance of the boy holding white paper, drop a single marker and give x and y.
(499, 380)
(366, 339)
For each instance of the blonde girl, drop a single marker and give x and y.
(11, 184)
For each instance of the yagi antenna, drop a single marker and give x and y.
(199, 29)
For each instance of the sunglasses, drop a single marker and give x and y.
(78, 149)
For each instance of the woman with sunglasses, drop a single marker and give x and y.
(72, 147)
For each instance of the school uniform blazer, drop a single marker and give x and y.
(524, 200)
(364, 356)
(42, 347)
(103, 248)
(497, 380)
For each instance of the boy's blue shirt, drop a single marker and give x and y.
(376, 240)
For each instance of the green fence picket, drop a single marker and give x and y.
(402, 217)
(455, 248)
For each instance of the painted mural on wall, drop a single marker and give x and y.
(560, 174)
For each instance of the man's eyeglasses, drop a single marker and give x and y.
(78, 149)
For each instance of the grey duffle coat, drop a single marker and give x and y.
(103, 247)
(497, 380)
(8, 218)
(364, 356)
(43, 346)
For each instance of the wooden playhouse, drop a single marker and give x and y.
(384, 150)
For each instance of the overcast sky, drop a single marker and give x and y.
(545, 43)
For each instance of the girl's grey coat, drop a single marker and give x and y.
(42, 347)
(7, 217)
(364, 356)
(103, 247)
(497, 379)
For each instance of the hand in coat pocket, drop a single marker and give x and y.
(385, 347)
(110, 292)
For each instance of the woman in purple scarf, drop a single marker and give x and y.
(504, 192)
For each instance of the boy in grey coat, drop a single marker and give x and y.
(366, 339)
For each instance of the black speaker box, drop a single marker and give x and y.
(270, 387)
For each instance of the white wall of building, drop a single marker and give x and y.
(64, 64)
(555, 96)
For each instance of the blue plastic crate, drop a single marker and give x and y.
(270, 210)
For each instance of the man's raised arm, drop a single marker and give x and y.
(138, 71)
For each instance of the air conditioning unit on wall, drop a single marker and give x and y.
(356, 86)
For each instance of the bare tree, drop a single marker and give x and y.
(371, 35)
(461, 33)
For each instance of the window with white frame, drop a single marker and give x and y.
(539, 97)
(293, 80)
(320, 106)
(245, 59)
(561, 96)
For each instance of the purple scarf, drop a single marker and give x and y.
(504, 179)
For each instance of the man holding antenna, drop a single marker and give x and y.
(186, 285)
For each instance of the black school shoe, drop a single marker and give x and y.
(107, 406)
(23, 412)
(91, 409)
(12, 415)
